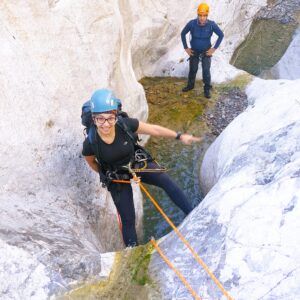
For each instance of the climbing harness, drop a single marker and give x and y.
(137, 180)
(111, 175)
(140, 155)
(134, 176)
(141, 167)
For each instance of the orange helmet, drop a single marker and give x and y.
(203, 8)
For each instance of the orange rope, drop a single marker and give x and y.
(121, 181)
(200, 261)
(175, 270)
(187, 244)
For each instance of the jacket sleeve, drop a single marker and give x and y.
(219, 33)
(184, 32)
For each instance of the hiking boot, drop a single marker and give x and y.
(207, 88)
(187, 88)
(207, 93)
(132, 245)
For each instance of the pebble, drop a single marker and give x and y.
(227, 107)
(283, 11)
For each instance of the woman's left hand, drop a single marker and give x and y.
(188, 139)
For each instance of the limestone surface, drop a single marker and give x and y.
(245, 229)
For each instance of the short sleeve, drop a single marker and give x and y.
(87, 148)
(132, 123)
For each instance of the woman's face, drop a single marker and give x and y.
(105, 122)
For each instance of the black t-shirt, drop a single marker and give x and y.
(119, 152)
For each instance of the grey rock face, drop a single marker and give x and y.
(289, 65)
(57, 234)
(245, 229)
(284, 11)
(270, 35)
(243, 237)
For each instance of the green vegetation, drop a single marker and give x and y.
(239, 82)
(128, 280)
(264, 46)
(142, 258)
(169, 106)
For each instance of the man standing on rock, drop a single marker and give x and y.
(201, 30)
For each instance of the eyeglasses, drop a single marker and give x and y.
(101, 120)
(202, 15)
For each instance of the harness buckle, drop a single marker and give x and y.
(135, 178)
(111, 175)
(140, 155)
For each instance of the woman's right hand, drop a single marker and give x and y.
(188, 139)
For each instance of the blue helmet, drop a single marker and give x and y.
(103, 100)
(119, 103)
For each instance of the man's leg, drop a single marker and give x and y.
(123, 199)
(206, 63)
(194, 61)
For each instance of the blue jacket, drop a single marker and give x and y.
(201, 35)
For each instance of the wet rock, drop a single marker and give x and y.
(270, 35)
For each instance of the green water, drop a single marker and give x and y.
(171, 108)
(182, 163)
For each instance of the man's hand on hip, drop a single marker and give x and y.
(189, 51)
(210, 51)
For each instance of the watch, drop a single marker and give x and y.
(178, 135)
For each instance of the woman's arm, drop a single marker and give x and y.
(92, 162)
(156, 130)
